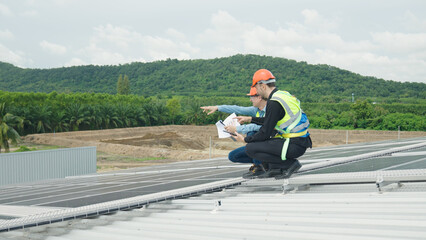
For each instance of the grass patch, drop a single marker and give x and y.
(24, 148)
(48, 147)
(33, 147)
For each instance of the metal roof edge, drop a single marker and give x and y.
(315, 166)
(113, 206)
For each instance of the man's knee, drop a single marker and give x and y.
(231, 156)
(236, 154)
(250, 150)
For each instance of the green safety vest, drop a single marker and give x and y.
(293, 113)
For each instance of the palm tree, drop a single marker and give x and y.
(110, 118)
(127, 115)
(59, 122)
(141, 117)
(7, 132)
(77, 116)
(40, 119)
(95, 117)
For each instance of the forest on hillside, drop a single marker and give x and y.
(228, 77)
(172, 92)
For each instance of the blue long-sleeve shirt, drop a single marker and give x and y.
(246, 111)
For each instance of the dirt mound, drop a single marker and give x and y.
(163, 140)
(175, 142)
(166, 135)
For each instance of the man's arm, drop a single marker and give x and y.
(244, 129)
(273, 115)
(247, 111)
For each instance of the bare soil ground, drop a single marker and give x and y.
(143, 146)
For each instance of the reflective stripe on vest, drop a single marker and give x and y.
(293, 113)
(287, 125)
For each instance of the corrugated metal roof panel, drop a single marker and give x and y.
(375, 204)
(258, 211)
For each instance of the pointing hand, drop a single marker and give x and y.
(209, 109)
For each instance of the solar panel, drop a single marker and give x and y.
(82, 191)
(86, 190)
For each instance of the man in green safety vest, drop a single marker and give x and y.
(283, 136)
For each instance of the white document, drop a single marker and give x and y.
(229, 121)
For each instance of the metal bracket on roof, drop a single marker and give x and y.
(217, 204)
(380, 183)
(287, 187)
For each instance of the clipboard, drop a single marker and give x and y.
(229, 121)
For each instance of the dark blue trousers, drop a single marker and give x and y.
(239, 155)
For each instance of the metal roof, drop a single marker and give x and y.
(262, 210)
(386, 200)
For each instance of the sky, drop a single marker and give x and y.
(381, 38)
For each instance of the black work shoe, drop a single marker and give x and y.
(254, 171)
(270, 173)
(286, 173)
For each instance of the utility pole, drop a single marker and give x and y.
(353, 97)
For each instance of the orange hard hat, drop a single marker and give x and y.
(262, 75)
(253, 92)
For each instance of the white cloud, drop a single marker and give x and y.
(295, 42)
(119, 36)
(316, 22)
(16, 58)
(227, 31)
(175, 34)
(372, 56)
(6, 35)
(117, 44)
(75, 62)
(101, 56)
(370, 64)
(5, 11)
(318, 37)
(53, 48)
(401, 42)
(160, 48)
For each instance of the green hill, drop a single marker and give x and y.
(230, 76)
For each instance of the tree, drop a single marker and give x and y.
(174, 108)
(40, 118)
(7, 132)
(123, 85)
(363, 111)
(59, 123)
(76, 115)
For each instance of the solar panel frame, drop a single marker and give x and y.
(139, 182)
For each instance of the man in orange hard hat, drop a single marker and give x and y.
(283, 136)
